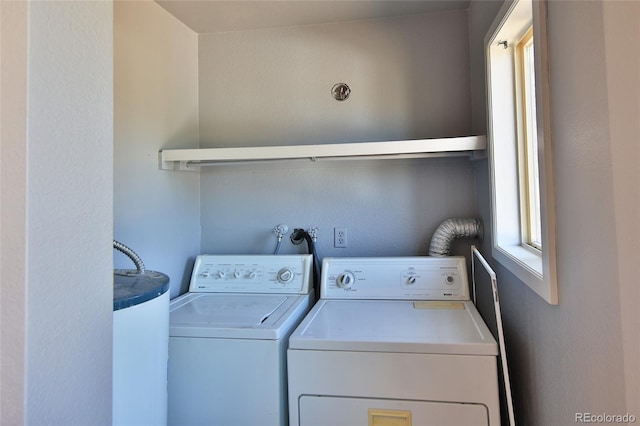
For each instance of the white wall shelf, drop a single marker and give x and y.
(193, 159)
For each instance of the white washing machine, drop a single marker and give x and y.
(228, 338)
(393, 341)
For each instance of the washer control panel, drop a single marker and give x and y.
(251, 274)
(403, 278)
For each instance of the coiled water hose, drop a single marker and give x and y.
(131, 255)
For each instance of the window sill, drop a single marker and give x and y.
(529, 267)
(524, 258)
(525, 264)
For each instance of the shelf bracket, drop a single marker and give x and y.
(177, 166)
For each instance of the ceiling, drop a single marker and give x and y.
(212, 16)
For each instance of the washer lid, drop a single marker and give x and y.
(253, 316)
(434, 327)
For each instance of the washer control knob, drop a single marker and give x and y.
(345, 280)
(411, 280)
(221, 274)
(251, 275)
(449, 280)
(204, 274)
(284, 275)
(237, 274)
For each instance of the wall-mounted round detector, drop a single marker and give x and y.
(340, 91)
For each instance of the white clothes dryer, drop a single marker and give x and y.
(228, 338)
(393, 341)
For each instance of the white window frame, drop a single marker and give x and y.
(528, 173)
(535, 268)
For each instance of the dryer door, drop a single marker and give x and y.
(329, 410)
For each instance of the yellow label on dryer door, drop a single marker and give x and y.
(378, 417)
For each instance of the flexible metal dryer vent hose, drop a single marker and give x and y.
(131, 255)
(451, 229)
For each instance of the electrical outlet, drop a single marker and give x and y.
(340, 237)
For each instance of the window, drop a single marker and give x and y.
(528, 170)
(520, 154)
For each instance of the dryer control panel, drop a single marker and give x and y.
(389, 278)
(289, 274)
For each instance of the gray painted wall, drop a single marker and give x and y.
(409, 79)
(156, 213)
(390, 207)
(622, 21)
(569, 358)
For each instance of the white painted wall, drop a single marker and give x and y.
(13, 201)
(156, 213)
(58, 297)
(409, 79)
(582, 355)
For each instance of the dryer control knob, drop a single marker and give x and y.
(205, 274)
(345, 280)
(237, 274)
(284, 275)
(221, 274)
(252, 275)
